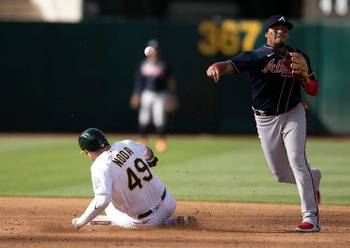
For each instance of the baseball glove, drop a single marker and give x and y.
(298, 66)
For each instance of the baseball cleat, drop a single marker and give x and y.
(143, 141)
(161, 145)
(186, 221)
(307, 227)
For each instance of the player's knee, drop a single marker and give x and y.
(280, 178)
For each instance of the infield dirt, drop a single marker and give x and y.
(45, 222)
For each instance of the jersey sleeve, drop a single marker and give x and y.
(102, 186)
(243, 62)
(101, 180)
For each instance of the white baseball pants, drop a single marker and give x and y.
(153, 105)
(161, 214)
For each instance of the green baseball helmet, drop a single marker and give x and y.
(92, 140)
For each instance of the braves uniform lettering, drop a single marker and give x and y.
(278, 67)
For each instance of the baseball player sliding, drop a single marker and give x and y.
(277, 74)
(125, 185)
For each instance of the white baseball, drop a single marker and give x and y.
(149, 51)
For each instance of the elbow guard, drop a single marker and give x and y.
(150, 158)
(153, 162)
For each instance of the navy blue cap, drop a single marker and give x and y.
(277, 19)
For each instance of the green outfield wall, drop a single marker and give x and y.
(67, 77)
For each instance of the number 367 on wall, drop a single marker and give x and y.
(228, 38)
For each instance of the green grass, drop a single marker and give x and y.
(194, 168)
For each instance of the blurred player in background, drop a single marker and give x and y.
(154, 95)
(125, 186)
(278, 73)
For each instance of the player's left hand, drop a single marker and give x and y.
(299, 67)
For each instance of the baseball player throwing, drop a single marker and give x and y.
(125, 185)
(277, 74)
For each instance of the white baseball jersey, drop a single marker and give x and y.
(123, 173)
(122, 178)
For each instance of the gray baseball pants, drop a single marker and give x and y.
(283, 140)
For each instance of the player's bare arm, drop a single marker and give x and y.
(218, 69)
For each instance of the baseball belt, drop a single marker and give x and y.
(263, 112)
(147, 213)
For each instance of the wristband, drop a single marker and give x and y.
(311, 87)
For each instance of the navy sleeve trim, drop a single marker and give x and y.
(234, 66)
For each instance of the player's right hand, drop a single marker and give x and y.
(214, 71)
